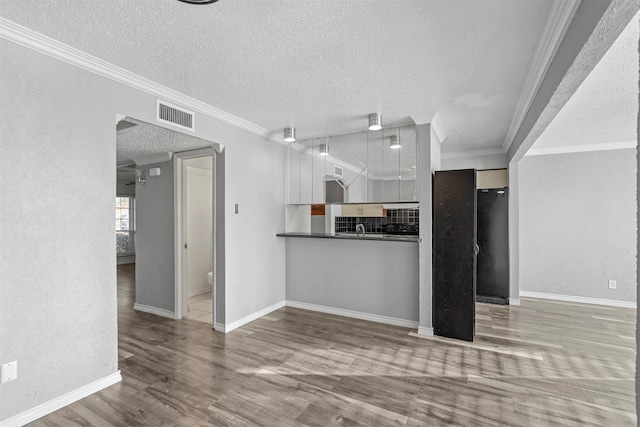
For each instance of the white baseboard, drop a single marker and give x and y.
(514, 301)
(250, 318)
(585, 300)
(354, 314)
(54, 404)
(154, 310)
(219, 327)
(200, 292)
(424, 331)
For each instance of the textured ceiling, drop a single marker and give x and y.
(321, 66)
(604, 109)
(145, 139)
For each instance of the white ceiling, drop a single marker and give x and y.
(138, 142)
(321, 66)
(604, 109)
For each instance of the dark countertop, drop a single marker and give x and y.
(353, 236)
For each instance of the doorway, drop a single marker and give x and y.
(197, 187)
(195, 235)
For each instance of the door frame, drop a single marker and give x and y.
(179, 182)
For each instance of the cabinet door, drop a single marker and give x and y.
(454, 253)
(352, 210)
(294, 172)
(391, 165)
(306, 172)
(372, 210)
(319, 171)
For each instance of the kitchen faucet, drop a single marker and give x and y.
(360, 228)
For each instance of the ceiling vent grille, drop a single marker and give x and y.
(174, 115)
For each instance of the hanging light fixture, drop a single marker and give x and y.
(394, 142)
(199, 1)
(324, 149)
(290, 134)
(375, 122)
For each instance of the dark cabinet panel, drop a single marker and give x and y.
(454, 253)
(493, 239)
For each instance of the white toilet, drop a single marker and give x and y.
(210, 278)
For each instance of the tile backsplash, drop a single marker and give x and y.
(347, 224)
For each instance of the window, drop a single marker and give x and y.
(125, 226)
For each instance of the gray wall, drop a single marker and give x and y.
(122, 189)
(578, 224)
(58, 263)
(57, 257)
(255, 257)
(366, 276)
(155, 272)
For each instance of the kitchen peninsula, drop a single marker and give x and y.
(373, 277)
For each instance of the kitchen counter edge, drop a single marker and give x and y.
(375, 237)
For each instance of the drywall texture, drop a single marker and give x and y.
(255, 257)
(155, 272)
(58, 289)
(578, 224)
(57, 257)
(366, 276)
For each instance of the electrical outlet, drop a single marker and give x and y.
(613, 284)
(9, 372)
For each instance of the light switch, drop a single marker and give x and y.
(9, 372)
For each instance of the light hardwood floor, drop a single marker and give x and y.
(545, 363)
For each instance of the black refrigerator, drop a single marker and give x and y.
(492, 282)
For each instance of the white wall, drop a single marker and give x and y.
(478, 161)
(578, 224)
(57, 258)
(255, 257)
(428, 146)
(199, 228)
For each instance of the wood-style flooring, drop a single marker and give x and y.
(545, 363)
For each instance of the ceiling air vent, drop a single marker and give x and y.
(174, 115)
(337, 171)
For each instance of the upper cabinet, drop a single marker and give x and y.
(369, 166)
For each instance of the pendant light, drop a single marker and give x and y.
(375, 121)
(324, 149)
(289, 134)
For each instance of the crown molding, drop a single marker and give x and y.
(562, 13)
(606, 146)
(473, 153)
(30, 39)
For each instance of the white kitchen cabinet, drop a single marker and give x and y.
(293, 177)
(306, 171)
(371, 170)
(319, 171)
(363, 210)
